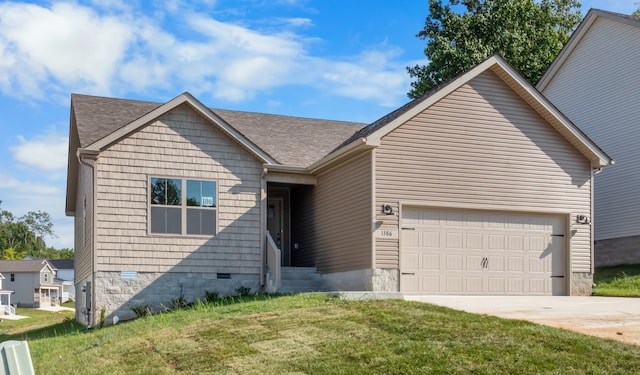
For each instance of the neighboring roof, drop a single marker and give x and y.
(292, 141)
(61, 264)
(23, 266)
(577, 36)
(374, 132)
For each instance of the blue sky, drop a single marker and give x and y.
(332, 59)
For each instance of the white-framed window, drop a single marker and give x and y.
(13, 277)
(183, 206)
(46, 277)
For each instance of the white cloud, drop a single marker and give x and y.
(47, 152)
(67, 43)
(71, 47)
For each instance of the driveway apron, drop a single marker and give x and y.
(607, 317)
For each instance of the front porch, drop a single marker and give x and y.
(290, 267)
(5, 303)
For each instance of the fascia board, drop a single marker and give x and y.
(102, 143)
(376, 136)
(566, 51)
(597, 154)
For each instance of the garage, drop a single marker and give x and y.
(454, 251)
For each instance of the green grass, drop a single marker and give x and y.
(318, 334)
(39, 324)
(620, 281)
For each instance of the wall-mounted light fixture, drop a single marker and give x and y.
(387, 209)
(582, 219)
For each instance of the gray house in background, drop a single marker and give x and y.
(479, 187)
(32, 281)
(595, 81)
(64, 278)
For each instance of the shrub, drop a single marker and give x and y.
(142, 310)
(211, 296)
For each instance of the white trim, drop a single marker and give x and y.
(484, 207)
(598, 157)
(104, 142)
(575, 39)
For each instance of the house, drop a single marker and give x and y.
(32, 281)
(595, 81)
(5, 300)
(479, 187)
(64, 278)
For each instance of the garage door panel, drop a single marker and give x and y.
(477, 252)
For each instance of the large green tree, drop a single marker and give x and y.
(461, 33)
(26, 236)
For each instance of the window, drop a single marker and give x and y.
(13, 277)
(190, 211)
(46, 277)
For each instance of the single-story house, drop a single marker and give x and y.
(64, 278)
(481, 186)
(32, 281)
(595, 81)
(5, 300)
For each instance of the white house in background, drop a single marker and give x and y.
(595, 81)
(32, 281)
(5, 300)
(64, 277)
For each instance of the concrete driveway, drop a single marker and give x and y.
(608, 317)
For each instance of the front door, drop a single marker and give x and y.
(275, 220)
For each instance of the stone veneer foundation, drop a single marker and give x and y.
(117, 293)
(371, 279)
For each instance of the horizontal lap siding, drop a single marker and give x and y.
(180, 144)
(338, 221)
(597, 87)
(484, 146)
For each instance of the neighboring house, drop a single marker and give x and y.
(5, 300)
(481, 186)
(64, 278)
(32, 281)
(595, 81)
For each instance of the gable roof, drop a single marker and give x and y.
(282, 138)
(24, 266)
(373, 133)
(577, 36)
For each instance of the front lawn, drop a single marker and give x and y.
(318, 334)
(618, 281)
(39, 323)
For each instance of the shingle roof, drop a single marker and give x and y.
(61, 264)
(292, 141)
(17, 266)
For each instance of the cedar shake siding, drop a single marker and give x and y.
(482, 146)
(336, 229)
(179, 144)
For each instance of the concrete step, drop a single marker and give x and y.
(300, 280)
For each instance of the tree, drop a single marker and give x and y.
(528, 34)
(26, 236)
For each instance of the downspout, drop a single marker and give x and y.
(263, 226)
(594, 172)
(94, 224)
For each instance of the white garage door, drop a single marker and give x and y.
(447, 251)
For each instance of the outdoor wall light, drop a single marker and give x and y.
(387, 209)
(582, 219)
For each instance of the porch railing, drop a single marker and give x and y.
(274, 256)
(8, 309)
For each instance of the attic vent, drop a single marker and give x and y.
(224, 276)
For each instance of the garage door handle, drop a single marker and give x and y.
(405, 228)
(408, 273)
(557, 276)
(557, 235)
